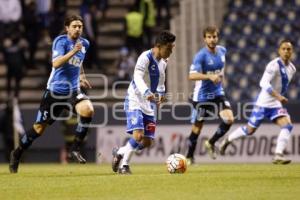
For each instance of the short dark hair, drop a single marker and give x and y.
(285, 41)
(71, 18)
(165, 37)
(210, 29)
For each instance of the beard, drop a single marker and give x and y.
(212, 45)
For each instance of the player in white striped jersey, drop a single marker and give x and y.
(140, 102)
(274, 85)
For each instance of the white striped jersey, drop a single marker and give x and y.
(276, 77)
(149, 74)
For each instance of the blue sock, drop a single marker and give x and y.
(81, 132)
(192, 142)
(133, 143)
(221, 131)
(27, 139)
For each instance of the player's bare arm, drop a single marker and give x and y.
(279, 97)
(215, 78)
(83, 80)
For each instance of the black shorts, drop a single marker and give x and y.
(53, 104)
(210, 109)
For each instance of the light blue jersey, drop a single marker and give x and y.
(207, 62)
(65, 79)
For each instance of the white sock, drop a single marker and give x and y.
(282, 140)
(127, 157)
(238, 133)
(123, 149)
(127, 152)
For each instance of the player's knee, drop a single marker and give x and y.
(86, 110)
(229, 120)
(138, 136)
(90, 111)
(39, 128)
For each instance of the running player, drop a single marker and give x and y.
(140, 102)
(63, 91)
(209, 98)
(274, 85)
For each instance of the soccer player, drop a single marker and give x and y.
(209, 98)
(274, 85)
(140, 102)
(63, 91)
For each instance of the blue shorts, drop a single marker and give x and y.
(137, 120)
(259, 113)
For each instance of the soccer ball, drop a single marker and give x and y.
(176, 164)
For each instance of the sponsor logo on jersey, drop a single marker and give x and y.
(152, 67)
(214, 72)
(75, 61)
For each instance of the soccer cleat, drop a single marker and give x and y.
(124, 170)
(280, 159)
(190, 161)
(13, 162)
(76, 156)
(210, 149)
(116, 159)
(224, 144)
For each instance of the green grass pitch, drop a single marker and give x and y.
(151, 182)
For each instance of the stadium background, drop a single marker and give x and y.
(250, 31)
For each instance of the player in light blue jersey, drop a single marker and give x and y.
(269, 103)
(209, 98)
(140, 102)
(63, 91)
